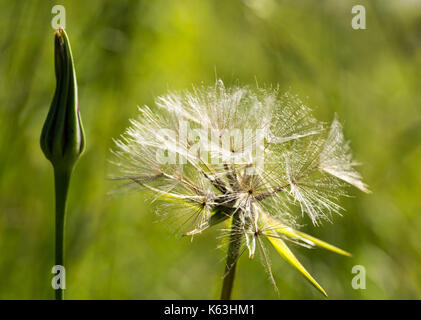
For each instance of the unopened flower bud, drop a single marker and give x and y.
(62, 137)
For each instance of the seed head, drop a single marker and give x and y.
(217, 152)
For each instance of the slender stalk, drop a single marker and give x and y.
(233, 254)
(61, 180)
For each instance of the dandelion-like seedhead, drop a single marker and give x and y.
(254, 154)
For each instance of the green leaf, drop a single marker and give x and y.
(323, 244)
(218, 215)
(287, 254)
(290, 232)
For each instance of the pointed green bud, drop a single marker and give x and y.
(62, 137)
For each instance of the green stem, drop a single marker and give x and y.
(61, 180)
(233, 254)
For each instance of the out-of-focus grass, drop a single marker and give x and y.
(127, 52)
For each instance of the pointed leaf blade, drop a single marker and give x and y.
(287, 254)
(290, 232)
(323, 244)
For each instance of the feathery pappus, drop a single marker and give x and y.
(246, 156)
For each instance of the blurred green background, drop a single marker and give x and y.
(128, 52)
